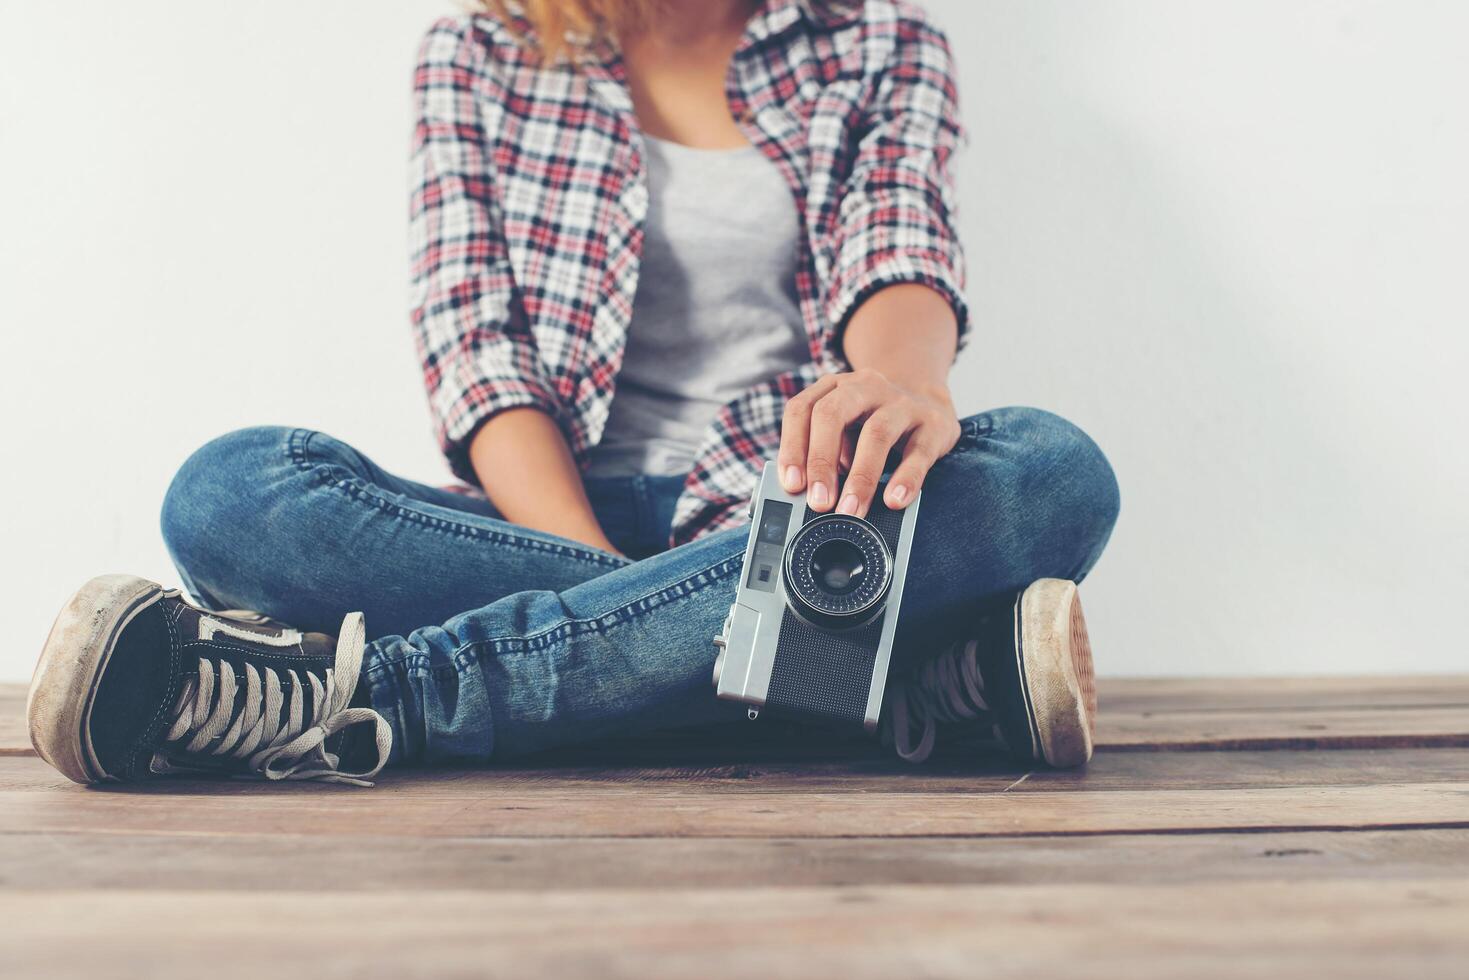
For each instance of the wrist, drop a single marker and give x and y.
(922, 384)
(908, 333)
(937, 391)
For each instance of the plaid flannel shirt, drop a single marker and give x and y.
(530, 192)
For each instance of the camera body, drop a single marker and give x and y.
(811, 629)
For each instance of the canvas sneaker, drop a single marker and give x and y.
(134, 682)
(1024, 676)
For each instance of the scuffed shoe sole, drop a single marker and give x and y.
(1055, 666)
(71, 666)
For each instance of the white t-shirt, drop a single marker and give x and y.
(716, 309)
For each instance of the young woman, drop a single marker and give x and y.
(654, 243)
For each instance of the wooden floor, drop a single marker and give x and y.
(1264, 828)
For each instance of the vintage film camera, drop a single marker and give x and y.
(811, 629)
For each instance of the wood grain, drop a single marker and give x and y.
(1151, 695)
(264, 862)
(1298, 728)
(483, 809)
(1341, 929)
(14, 740)
(868, 775)
(782, 851)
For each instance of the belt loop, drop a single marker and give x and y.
(641, 507)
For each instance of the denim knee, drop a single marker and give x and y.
(1063, 459)
(217, 496)
(1052, 480)
(1064, 469)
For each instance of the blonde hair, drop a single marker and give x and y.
(553, 27)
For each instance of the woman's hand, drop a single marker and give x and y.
(852, 422)
(900, 343)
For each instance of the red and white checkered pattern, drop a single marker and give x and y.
(529, 196)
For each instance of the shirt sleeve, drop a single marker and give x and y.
(477, 352)
(896, 217)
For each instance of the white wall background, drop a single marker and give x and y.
(1229, 239)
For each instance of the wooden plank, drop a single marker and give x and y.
(872, 775)
(482, 807)
(956, 772)
(1142, 695)
(1342, 929)
(1280, 713)
(878, 775)
(1332, 728)
(255, 862)
(14, 739)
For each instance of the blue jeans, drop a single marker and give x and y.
(490, 640)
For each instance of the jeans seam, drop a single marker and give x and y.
(973, 429)
(603, 624)
(338, 477)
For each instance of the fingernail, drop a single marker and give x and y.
(897, 494)
(792, 479)
(819, 497)
(848, 504)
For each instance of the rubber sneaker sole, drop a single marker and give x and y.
(72, 661)
(1054, 657)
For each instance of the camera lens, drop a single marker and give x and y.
(837, 571)
(838, 566)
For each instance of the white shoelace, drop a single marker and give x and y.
(257, 732)
(948, 689)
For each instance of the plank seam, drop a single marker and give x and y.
(998, 835)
